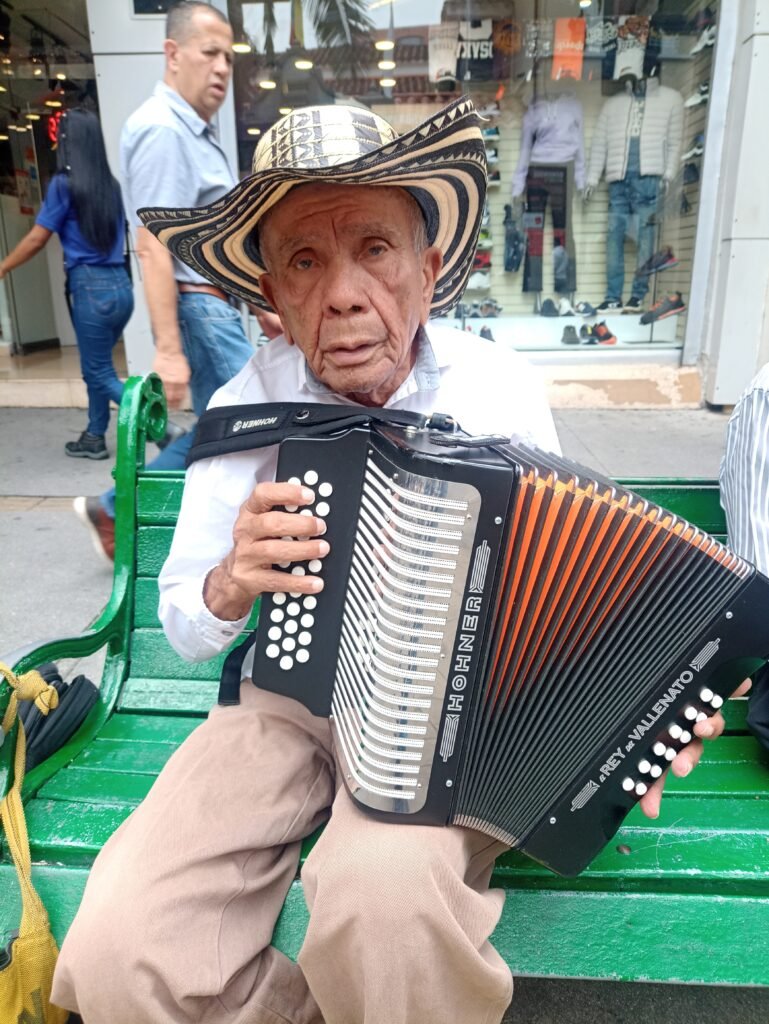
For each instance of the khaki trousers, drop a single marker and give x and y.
(178, 914)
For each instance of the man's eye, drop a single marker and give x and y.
(376, 249)
(304, 263)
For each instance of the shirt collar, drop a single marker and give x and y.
(425, 375)
(183, 110)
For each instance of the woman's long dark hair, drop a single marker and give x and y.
(94, 189)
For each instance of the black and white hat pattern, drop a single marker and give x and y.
(441, 163)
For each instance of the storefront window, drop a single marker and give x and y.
(595, 123)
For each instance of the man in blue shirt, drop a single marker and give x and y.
(170, 156)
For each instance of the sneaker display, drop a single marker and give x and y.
(662, 260)
(494, 178)
(633, 305)
(87, 446)
(490, 307)
(485, 332)
(484, 244)
(564, 307)
(102, 529)
(490, 110)
(570, 336)
(485, 216)
(484, 235)
(474, 311)
(603, 335)
(490, 133)
(548, 308)
(707, 38)
(492, 156)
(479, 280)
(585, 309)
(667, 306)
(610, 306)
(697, 148)
(482, 260)
(700, 95)
(587, 335)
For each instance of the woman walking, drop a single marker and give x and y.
(83, 206)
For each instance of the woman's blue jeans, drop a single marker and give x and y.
(100, 302)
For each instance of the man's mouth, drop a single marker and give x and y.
(344, 356)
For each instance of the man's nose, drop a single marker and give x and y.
(344, 287)
(222, 65)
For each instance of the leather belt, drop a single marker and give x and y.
(206, 289)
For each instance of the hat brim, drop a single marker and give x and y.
(441, 162)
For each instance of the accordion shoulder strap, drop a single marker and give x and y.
(240, 428)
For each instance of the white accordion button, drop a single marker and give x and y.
(294, 480)
(302, 655)
(289, 643)
(307, 621)
(701, 717)
(276, 615)
(291, 627)
(272, 650)
(706, 694)
(293, 608)
(322, 509)
(686, 737)
(310, 477)
(669, 753)
(644, 766)
(310, 603)
(325, 490)
(298, 570)
(279, 598)
(690, 713)
(304, 638)
(659, 749)
(315, 565)
(641, 788)
(275, 632)
(286, 662)
(306, 512)
(628, 785)
(717, 701)
(656, 771)
(675, 731)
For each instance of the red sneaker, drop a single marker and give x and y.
(603, 335)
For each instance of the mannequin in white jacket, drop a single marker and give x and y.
(637, 144)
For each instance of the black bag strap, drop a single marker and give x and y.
(241, 428)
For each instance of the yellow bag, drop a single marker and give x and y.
(25, 980)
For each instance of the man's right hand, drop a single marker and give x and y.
(265, 536)
(173, 369)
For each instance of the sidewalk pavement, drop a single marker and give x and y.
(54, 585)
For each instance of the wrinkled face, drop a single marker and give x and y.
(350, 283)
(199, 67)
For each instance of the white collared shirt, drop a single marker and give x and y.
(487, 389)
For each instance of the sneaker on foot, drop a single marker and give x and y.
(87, 446)
(668, 305)
(611, 306)
(633, 305)
(603, 335)
(101, 527)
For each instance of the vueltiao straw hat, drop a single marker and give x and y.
(441, 163)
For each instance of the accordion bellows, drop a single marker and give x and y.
(505, 640)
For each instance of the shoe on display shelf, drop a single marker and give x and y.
(667, 306)
(633, 305)
(702, 19)
(475, 310)
(485, 332)
(490, 110)
(492, 157)
(484, 235)
(587, 335)
(479, 280)
(700, 95)
(697, 148)
(490, 133)
(585, 309)
(662, 260)
(494, 178)
(570, 336)
(490, 307)
(484, 244)
(603, 335)
(548, 308)
(564, 307)
(707, 38)
(611, 306)
(482, 260)
(485, 216)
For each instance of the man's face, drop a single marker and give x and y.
(200, 66)
(348, 284)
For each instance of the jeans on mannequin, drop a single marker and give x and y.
(553, 183)
(632, 211)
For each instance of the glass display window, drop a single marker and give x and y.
(594, 120)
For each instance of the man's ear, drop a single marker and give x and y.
(267, 286)
(170, 49)
(432, 261)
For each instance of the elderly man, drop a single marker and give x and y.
(354, 237)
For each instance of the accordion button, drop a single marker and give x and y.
(706, 694)
(311, 477)
(293, 608)
(325, 490)
(283, 565)
(291, 627)
(302, 656)
(717, 701)
(675, 731)
(686, 737)
(275, 632)
(701, 717)
(278, 598)
(304, 638)
(656, 771)
(286, 662)
(322, 509)
(298, 570)
(659, 749)
(307, 621)
(292, 508)
(289, 643)
(294, 480)
(310, 602)
(315, 565)
(669, 753)
(690, 713)
(641, 788)
(306, 512)
(272, 651)
(628, 785)
(277, 615)
(644, 766)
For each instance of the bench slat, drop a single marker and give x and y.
(169, 696)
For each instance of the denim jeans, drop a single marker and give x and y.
(553, 183)
(632, 209)
(216, 348)
(100, 303)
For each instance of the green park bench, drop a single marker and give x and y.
(684, 898)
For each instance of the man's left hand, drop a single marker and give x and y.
(688, 758)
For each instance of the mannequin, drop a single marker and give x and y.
(637, 144)
(550, 165)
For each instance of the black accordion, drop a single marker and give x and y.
(505, 640)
